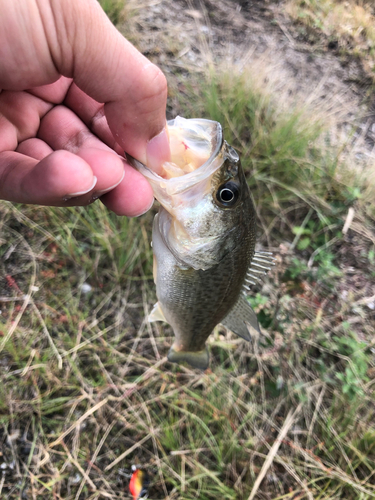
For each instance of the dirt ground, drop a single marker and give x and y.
(185, 36)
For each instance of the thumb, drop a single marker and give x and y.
(87, 47)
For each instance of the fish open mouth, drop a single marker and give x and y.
(196, 146)
(192, 144)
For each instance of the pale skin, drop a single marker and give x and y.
(74, 96)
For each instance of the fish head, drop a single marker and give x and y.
(203, 192)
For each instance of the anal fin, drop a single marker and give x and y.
(239, 317)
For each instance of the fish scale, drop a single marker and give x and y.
(200, 300)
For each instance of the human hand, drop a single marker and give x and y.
(75, 95)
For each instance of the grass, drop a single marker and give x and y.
(348, 26)
(86, 389)
(115, 9)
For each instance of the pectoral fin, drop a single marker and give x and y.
(239, 317)
(156, 314)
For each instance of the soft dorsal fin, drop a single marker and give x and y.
(239, 317)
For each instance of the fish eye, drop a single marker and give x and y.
(228, 194)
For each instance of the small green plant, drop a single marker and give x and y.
(258, 300)
(315, 238)
(305, 236)
(258, 303)
(297, 269)
(371, 256)
(354, 376)
(326, 267)
(344, 362)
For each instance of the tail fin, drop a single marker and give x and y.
(197, 359)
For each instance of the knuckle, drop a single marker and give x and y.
(97, 119)
(154, 83)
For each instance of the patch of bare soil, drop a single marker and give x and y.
(184, 36)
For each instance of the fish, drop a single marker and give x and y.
(203, 240)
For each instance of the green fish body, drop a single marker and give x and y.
(204, 244)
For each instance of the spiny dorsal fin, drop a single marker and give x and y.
(239, 317)
(259, 267)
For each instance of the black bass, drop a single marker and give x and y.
(203, 240)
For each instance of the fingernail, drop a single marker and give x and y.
(98, 194)
(158, 151)
(147, 209)
(80, 193)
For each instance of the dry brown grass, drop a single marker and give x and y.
(350, 23)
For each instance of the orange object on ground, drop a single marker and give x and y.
(138, 484)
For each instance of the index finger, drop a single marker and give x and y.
(109, 69)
